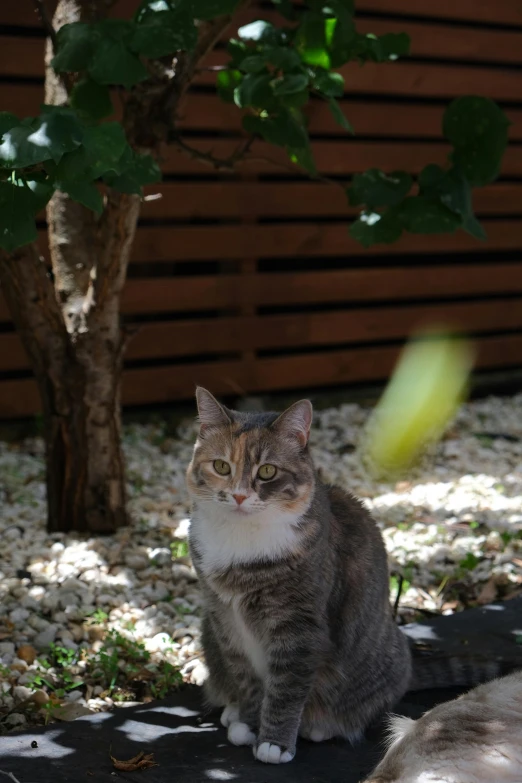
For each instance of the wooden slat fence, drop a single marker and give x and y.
(249, 281)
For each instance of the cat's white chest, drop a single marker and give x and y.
(245, 641)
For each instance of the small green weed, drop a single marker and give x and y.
(179, 548)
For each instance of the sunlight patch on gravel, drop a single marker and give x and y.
(453, 531)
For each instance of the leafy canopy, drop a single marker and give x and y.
(271, 75)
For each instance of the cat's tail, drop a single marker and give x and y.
(456, 671)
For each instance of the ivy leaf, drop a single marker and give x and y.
(54, 133)
(283, 130)
(7, 121)
(237, 50)
(329, 84)
(255, 90)
(453, 189)
(283, 58)
(382, 48)
(42, 190)
(227, 82)
(343, 38)
(85, 193)
(260, 32)
(302, 156)
(112, 61)
(372, 228)
(478, 130)
(311, 40)
(423, 215)
(374, 188)
(138, 170)
(76, 44)
(290, 84)
(104, 146)
(253, 64)
(18, 209)
(209, 9)
(91, 99)
(164, 32)
(339, 116)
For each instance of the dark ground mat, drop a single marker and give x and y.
(190, 746)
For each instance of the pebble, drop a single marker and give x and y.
(15, 720)
(42, 640)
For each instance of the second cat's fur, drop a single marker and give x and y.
(297, 630)
(476, 738)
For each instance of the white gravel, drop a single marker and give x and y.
(453, 530)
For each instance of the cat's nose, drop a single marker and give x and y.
(239, 498)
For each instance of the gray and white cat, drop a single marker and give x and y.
(297, 630)
(476, 738)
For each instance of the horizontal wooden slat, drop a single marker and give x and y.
(507, 12)
(188, 200)
(222, 292)
(230, 335)
(169, 383)
(200, 243)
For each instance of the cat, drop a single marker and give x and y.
(297, 628)
(476, 738)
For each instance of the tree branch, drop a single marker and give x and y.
(47, 24)
(226, 164)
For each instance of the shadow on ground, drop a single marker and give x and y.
(190, 746)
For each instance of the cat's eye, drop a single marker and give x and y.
(267, 472)
(221, 467)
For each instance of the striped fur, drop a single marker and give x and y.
(297, 630)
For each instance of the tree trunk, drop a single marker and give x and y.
(76, 355)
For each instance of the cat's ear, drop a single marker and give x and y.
(210, 412)
(296, 421)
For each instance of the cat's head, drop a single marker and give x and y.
(246, 465)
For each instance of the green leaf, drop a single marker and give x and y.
(478, 130)
(423, 215)
(283, 58)
(227, 82)
(311, 40)
(114, 63)
(237, 51)
(302, 156)
(285, 129)
(253, 64)
(209, 9)
(104, 146)
(85, 193)
(18, 208)
(329, 84)
(260, 32)
(374, 188)
(76, 44)
(343, 37)
(165, 32)
(372, 228)
(290, 84)
(453, 189)
(137, 170)
(255, 90)
(42, 191)
(55, 132)
(91, 99)
(339, 116)
(7, 121)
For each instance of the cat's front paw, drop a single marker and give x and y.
(240, 734)
(272, 754)
(229, 715)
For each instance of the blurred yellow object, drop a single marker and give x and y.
(427, 386)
